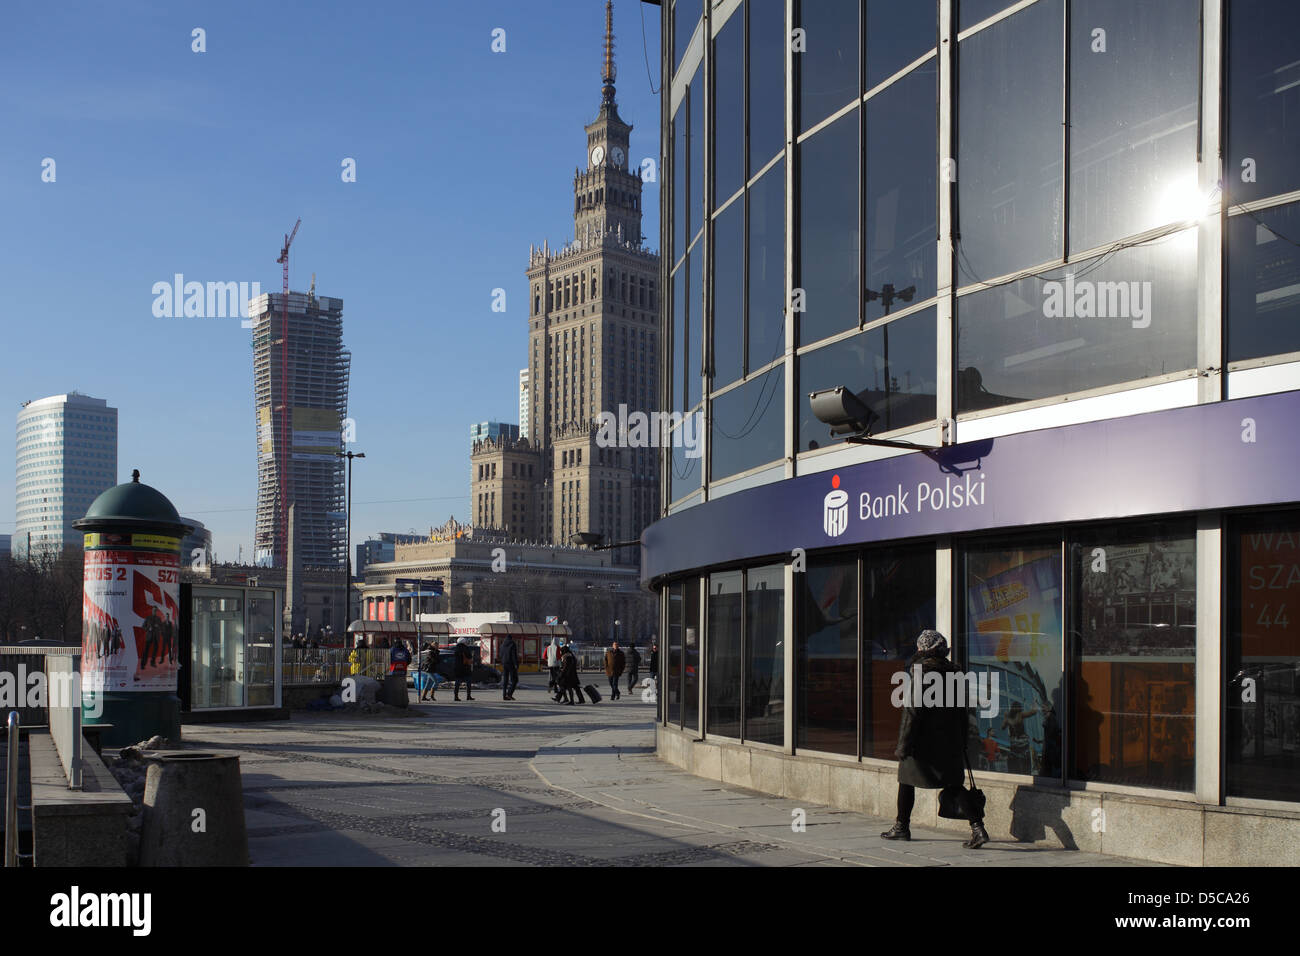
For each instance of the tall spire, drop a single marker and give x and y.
(608, 70)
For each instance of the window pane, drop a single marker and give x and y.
(685, 459)
(686, 14)
(1263, 98)
(1131, 317)
(765, 667)
(826, 658)
(695, 334)
(891, 368)
(1264, 283)
(828, 67)
(897, 34)
(1132, 117)
(676, 379)
(1263, 635)
(897, 605)
(728, 294)
(972, 12)
(767, 46)
(691, 657)
(695, 167)
(724, 667)
(902, 159)
(767, 268)
(680, 217)
(673, 684)
(1134, 623)
(1013, 634)
(1009, 144)
(828, 230)
(728, 109)
(748, 427)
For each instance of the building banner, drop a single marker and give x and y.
(130, 620)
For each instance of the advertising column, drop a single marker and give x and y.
(131, 614)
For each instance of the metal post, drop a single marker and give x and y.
(11, 794)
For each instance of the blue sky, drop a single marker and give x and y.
(169, 161)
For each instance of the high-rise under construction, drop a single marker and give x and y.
(300, 385)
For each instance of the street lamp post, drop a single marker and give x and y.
(347, 545)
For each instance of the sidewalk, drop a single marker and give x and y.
(617, 768)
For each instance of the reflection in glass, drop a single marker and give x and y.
(728, 110)
(828, 68)
(1009, 144)
(897, 605)
(901, 193)
(826, 658)
(1013, 632)
(828, 230)
(972, 12)
(767, 46)
(1132, 118)
(672, 689)
(724, 668)
(685, 458)
(767, 268)
(686, 14)
(1100, 322)
(765, 653)
(1264, 283)
(675, 380)
(261, 648)
(1263, 97)
(891, 368)
(218, 651)
(1134, 628)
(897, 34)
(748, 425)
(680, 217)
(691, 656)
(695, 335)
(1263, 637)
(728, 294)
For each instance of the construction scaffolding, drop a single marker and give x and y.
(303, 432)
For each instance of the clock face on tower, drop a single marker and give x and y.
(617, 155)
(598, 155)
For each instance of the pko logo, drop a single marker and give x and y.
(835, 510)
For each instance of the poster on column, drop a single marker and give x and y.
(130, 614)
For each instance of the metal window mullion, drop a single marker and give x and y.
(1210, 665)
(1211, 245)
(862, 663)
(1065, 130)
(791, 324)
(945, 304)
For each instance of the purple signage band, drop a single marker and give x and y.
(1204, 457)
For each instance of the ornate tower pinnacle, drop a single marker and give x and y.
(609, 71)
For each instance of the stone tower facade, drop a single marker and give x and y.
(593, 346)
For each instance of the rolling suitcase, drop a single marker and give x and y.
(591, 692)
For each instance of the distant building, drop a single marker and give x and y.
(199, 540)
(300, 428)
(4, 545)
(380, 549)
(525, 406)
(66, 457)
(491, 431)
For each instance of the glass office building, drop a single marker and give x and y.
(1052, 249)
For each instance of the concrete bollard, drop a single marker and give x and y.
(193, 810)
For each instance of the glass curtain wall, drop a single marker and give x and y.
(724, 668)
(826, 657)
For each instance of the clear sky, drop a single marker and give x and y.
(168, 160)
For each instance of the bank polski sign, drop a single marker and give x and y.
(901, 500)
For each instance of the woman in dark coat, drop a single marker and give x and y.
(464, 669)
(931, 742)
(569, 676)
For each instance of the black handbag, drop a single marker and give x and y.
(958, 803)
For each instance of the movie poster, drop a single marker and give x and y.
(130, 614)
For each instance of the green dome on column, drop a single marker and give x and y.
(132, 506)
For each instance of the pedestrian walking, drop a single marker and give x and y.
(633, 666)
(553, 664)
(399, 659)
(615, 661)
(569, 680)
(931, 742)
(509, 668)
(354, 659)
(464, 668)
(429, 668)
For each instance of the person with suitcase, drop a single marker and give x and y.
(569, 681)
(932, 744)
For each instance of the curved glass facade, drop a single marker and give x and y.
(985, 220)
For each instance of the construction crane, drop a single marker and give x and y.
(283, 444)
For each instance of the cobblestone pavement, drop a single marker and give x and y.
(533, 783)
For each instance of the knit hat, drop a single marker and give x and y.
(931, 644)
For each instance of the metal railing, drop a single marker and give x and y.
(63, 685)
(11, 793)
